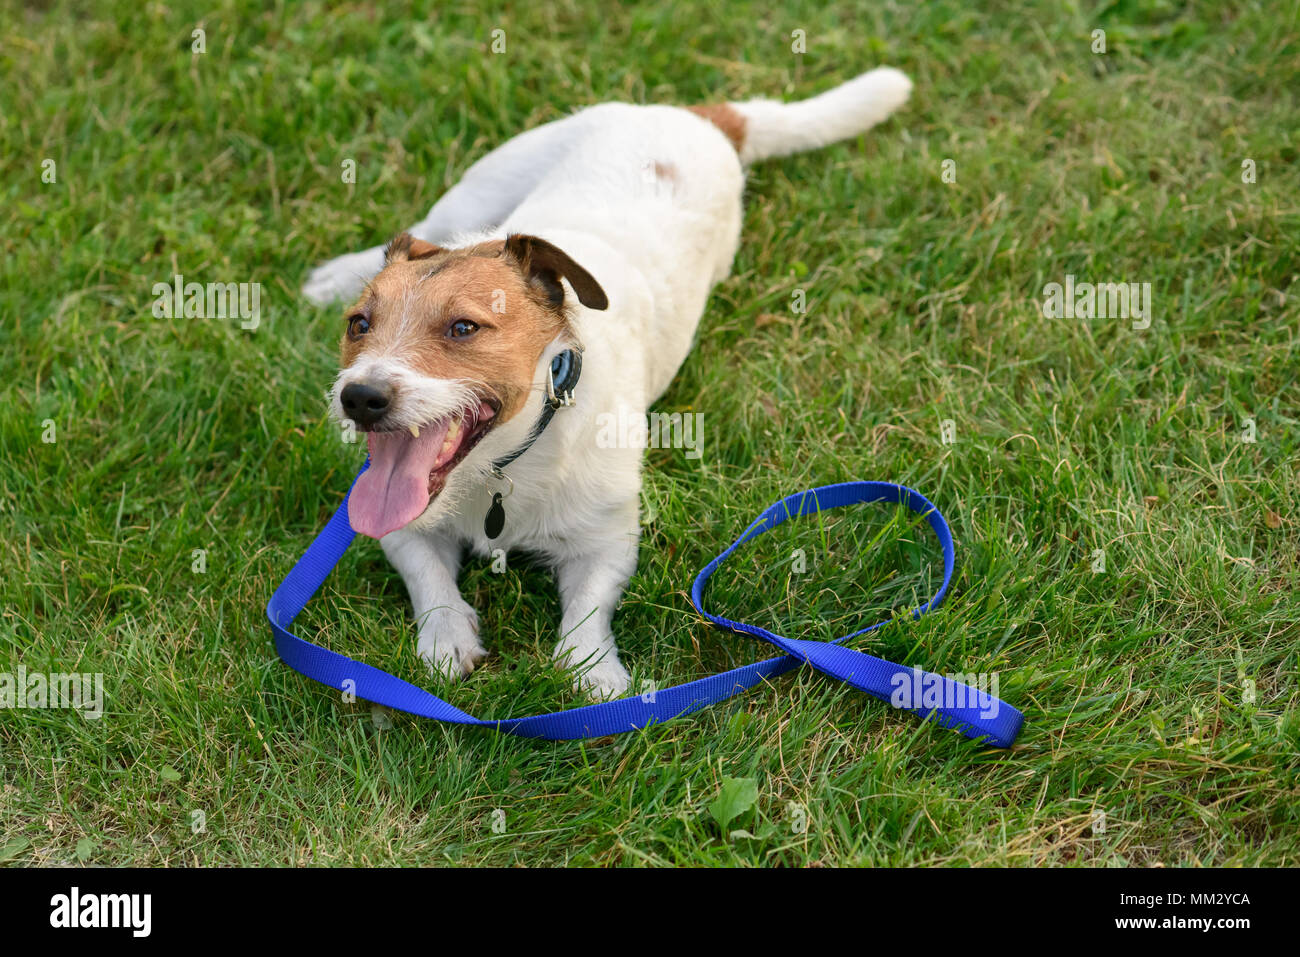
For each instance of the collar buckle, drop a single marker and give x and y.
(561, 397)
(561, 377)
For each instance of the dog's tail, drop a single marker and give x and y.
(763, 128)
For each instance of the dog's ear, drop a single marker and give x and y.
(544, 265)
(405, 246)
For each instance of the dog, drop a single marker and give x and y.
(561, 279)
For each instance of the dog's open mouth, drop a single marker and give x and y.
(409, 468)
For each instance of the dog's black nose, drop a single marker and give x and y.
(365, 403)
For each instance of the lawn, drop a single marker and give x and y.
(1124, 500)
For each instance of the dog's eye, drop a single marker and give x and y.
(461, 329)
(358, 326)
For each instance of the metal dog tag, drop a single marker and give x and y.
(496, 518)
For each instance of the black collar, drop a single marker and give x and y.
(563, 376)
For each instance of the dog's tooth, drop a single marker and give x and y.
(415, 431)
(455, 429)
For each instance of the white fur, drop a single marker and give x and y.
(656, 245)
(420, 399)
(779, 129)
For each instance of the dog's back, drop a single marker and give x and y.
(649, 197)
(658, 189)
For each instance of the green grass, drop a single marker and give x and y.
(923, 305)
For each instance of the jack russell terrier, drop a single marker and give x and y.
(563, 277)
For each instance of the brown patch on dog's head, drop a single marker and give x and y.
(405, 246)
(482, 314)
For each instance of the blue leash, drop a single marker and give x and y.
(951, 704)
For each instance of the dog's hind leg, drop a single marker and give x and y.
(458, 212)
(498, 183)
(343, 277)
(486, 195)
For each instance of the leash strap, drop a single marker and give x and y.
(953, 705)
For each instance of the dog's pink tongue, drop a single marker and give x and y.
(395, 489)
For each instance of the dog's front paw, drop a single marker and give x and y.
(449, 642)
(605, 679)
(598, 675)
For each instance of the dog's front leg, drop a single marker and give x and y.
(591, 583)
(429, 563)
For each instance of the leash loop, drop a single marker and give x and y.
(973, 712)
